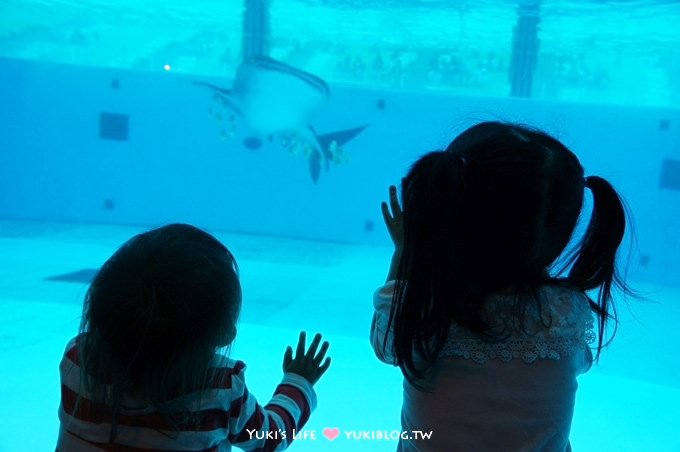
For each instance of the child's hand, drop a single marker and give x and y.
(395, 220)
(306, 364)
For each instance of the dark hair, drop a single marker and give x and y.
(153, 318)
(494, 211)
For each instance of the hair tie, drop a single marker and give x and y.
(585, 181)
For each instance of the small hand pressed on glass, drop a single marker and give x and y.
(394, 218)
(307, 365)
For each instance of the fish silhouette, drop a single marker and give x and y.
(275, 98)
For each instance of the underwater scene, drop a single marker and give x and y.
(277, 126)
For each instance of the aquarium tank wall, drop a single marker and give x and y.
(108, 105)
(288, 119)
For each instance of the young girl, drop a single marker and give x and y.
(489, 335)
(145, 372)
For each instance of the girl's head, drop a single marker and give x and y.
(500, 203)
(155, 314)
(495, 210)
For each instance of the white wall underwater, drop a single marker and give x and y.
(162, 155)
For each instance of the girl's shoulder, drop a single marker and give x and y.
(552, 322)
(550, 309)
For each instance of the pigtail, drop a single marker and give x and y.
(420, 313)
(593, 263)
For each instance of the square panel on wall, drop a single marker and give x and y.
(670, 174)
(113, 126)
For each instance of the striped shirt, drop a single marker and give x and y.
(230, 415)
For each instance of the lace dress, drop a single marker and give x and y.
(512, 395)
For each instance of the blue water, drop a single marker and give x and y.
(620, 52)
(104, 135)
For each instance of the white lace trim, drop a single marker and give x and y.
(569, 331)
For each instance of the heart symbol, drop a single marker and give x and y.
(331, 433)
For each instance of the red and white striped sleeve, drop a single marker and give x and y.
(230, 415)
(270, 428)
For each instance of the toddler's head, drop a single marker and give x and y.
(156, 312)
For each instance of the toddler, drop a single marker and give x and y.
(146, 371)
